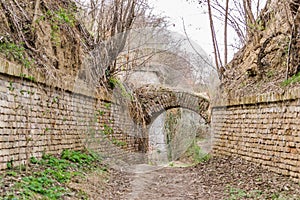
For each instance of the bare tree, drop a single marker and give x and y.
(239, 15)
(218, 60)
(110, 23)
(225, 32)
(249, 17)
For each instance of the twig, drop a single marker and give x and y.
(22, 10)
(37, 3)
(289, 54)
(189, 41)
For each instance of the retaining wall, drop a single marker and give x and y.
(263, 129)
(41, 116)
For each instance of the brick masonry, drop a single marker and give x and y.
(156, 100)
(39, 117)
(263, 129)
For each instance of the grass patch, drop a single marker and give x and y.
(294, 79)
(196, 154)
(14, 51)
(237, 193)
(119, 142)
(49, 176)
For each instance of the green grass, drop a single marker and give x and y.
(197, 154)
(15, 52)
(114, 82)
(238, 193)
(119, 142)
(49, 176)
(294, 79)
(270, 73)
(107, 130)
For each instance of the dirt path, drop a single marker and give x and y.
(225, 178)
(167, 183)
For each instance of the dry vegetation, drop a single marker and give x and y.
(44, 35)
(269, 62)
(47, 35)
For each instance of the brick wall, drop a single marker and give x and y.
(263, 129)
(37, 118)
(156, 100)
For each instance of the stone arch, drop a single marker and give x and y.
(156, 100)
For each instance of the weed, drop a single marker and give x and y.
(31, 78)
(196, 153)
(34, 160)
(107, 130)
(275, 196)
(16, 52)
(100, 112)
(51, 181)
(270, 73)
(64, 16)
(237, 193)
(259, 179)
(60, 175)
(114, 82)
(258, 25)
(11, 173)
(22, 167)
(119, 142)
(22, 92)
(11, 87)
(278, 196)
(55, 100)
(78, 157)
(9, 164)
(125, 93)
(107, 105)
(58, 18)
(294, 79)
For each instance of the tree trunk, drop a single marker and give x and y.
(214, 40)
(225, 32)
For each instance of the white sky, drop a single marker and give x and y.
(196, 22)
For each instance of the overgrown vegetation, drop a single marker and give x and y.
(237, 193)
(196, 154)
(15, 52)
(107, 130)
(119, 142)
(43, 35)
(57, 19)
(114, 82)
(294, 79)
(48, 177)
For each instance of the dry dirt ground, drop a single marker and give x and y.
(218, 178)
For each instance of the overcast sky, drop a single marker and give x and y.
(196, 22)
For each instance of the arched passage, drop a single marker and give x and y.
(156, 100)
(173, 132)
